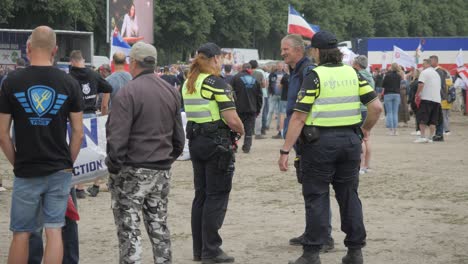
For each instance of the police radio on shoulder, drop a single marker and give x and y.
(284, 152)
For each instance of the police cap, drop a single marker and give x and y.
(324, 40)
(209, 49)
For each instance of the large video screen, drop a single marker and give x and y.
(131, 19)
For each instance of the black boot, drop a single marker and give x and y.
(328, 246)
(296, 241)
(221, 258)
(354, 256)
(308, 257)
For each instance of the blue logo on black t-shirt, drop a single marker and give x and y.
(41, 100)
(249, 81)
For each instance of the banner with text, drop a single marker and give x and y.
(90, 163)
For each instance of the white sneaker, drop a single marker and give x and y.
(416, 133)
(2, 189)
(421, 140)
(184, 156)
(362, 171)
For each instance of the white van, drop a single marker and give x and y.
(100, 60)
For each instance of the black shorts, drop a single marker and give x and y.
(428, 113)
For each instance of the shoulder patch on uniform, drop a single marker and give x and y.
(301, 94)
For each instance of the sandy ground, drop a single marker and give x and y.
(415, 206)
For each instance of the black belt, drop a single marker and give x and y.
(342, 128)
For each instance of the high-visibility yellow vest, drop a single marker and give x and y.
(448, 83)
(338, 102)
(197, 108)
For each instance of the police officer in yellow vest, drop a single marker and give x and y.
(326, 121)
(212, 119)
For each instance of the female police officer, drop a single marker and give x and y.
(211, 115)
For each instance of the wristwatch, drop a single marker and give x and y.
(283, 152)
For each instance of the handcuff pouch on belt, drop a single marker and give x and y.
(221, 136)
(210, 129)
(309, 134)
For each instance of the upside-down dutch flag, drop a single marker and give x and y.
(118, 44)
(298, 25)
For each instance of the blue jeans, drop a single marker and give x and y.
(392, 103)
(89, 115)
(39, 202)
(259, 124)
(70, 241)
(274, 105)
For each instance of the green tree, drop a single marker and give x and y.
(59, 14)
(389, 19)
(182, 26)
(7, 7)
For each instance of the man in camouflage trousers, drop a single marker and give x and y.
(144, 137)
(131, 191)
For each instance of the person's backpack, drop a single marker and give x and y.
(451, 95)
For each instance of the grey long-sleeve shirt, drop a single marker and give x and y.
(144, 128)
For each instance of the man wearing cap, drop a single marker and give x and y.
(144, 137)
(326, 120)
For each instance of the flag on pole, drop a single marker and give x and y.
(348, 55)
(384, 61)
(419, 50)
(459, 59)
(315, 28)
(402, 58)
(118, 44)
(298, 25)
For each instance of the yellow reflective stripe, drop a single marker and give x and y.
(216, 90)
(307, 100)
(222, 98)
(365, 89)
(206, 93)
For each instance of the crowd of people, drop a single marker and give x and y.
(406, 93)
(324, 112)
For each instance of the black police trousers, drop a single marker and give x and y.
(212, 187)
(335, 159)
(248, 119)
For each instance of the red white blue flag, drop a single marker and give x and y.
(298, 25)
(118, 44)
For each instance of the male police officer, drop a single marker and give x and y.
(326, 119)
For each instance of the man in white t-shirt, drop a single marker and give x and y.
(428, 97)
